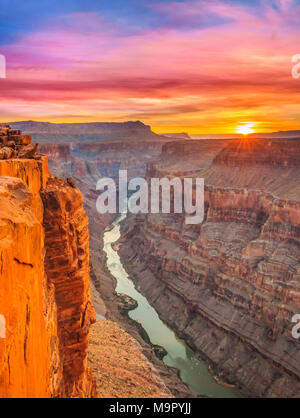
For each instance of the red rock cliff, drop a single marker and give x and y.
(45, 306)
(67, 266)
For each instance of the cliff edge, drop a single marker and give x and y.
(45, 305)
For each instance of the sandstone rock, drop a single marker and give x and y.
(29, 362)
(6, 153)
(13, 137)
(28, 152)
(71, 182)
(67, 267)
(34, 173)
(11, 144)
(47, 316)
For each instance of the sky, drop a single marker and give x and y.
(196, 66)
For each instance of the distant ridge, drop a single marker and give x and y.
(46, 132)
(82, 128)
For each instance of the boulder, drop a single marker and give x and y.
(29, 151)
(6, 153)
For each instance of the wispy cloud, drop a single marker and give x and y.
(211, 61)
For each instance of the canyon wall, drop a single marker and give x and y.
(231, 285)
(27, 304)
(87, 162)
(67, 267)
(44, 278)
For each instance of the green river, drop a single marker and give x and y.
(193, 371)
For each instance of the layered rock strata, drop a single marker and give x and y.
(87, 162)
(230, 285)
(67, 267)
(12, 143)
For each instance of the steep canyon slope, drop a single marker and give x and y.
(87, 162)
(230, 285)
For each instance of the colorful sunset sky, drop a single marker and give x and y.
(199, 66)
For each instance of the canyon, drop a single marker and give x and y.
(229, 286)
(45, 297)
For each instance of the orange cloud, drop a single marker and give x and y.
(233, 67)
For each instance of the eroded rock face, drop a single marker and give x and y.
(34, 173)
(45, 306)
(230, 286)
(29, 356)
(185, 158)
(67, 267)
(14, 144)
(259, 152)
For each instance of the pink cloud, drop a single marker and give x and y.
(81, 65)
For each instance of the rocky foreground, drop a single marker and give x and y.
(119, 366)
(231, 285)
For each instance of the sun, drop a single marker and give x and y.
(246, 128)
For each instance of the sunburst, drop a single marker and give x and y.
(246, 128)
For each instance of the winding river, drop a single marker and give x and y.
(193, 371)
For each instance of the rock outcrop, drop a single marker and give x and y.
(67, 267)
(14, 144)
(44, 279)
(29, 358)
(231, 285)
